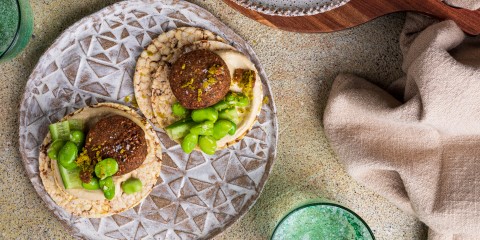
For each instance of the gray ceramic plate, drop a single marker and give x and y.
(291, 7)
(197, 196)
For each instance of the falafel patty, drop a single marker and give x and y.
(199, 79)
(119, 138)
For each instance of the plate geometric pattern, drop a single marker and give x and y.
(197, 195)
(291, 7)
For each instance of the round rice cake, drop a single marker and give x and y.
(91, 203)
(160, 50)
(163, 98)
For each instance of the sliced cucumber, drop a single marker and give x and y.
(229, 114)
(179, 129)
(60, 131)
(76, 124)
(70, 178)
(221, 105)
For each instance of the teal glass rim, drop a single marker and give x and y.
(17, 33)
(321, 204)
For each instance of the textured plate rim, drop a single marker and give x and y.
(107, 9)
(290, 12)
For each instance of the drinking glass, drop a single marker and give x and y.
(320, 219)
(16, 27)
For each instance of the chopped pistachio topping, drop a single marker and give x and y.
(245, 79)
(189, 84)
(199, 95)
(83, 160)
(211, 76)
(266, 100)
(132, 100)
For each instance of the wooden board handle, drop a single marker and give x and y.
(357, 12)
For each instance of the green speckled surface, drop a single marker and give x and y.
(301, 68)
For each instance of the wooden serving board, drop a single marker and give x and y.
(357, 12)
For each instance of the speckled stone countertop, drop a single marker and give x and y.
(300, 67)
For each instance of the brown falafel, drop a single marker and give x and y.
(119, 138)
(199, 79)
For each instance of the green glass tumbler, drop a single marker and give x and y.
(16, 27)
(322, 220)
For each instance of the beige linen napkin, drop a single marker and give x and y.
(418, 142)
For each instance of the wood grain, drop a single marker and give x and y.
(357, 12)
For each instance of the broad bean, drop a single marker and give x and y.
(106, 168)
(205, 114)
(108, 187)
(179, 111)
(77, 137)
(223, 127)
(92, 185)
(207, 144)
(54, 148)
(132, 185)
(67, 155)
(189, 142)
(205, 128)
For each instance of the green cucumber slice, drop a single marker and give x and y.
(76, 124)
(229, 114)
(221, 105)
(70, 178)
(179, 129)
(60, 131)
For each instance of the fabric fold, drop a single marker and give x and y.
(418, 142)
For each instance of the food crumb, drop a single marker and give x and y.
(266, 100)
